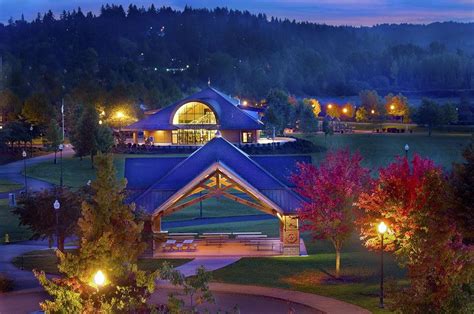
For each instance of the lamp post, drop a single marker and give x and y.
(382, 228)
(61, 147)
(24, 171)
(99, 279)
(406, 150)
(31, 140)
(57, 206)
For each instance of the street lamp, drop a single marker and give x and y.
(24, 170)
(407, 148)
(61, 147)
(382, 228)
(31, 140)
(57, 206)
(99, 278)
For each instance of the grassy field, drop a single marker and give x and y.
(380, 149)
(213, 208)
(9, 224)
(313, 274)
(46, 260)
(77, 172)
(7, 186)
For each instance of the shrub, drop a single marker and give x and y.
(6, 284)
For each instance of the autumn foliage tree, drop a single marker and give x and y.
(413, 200)
(330, 190)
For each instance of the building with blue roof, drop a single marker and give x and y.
(195, 119)
(163, 185)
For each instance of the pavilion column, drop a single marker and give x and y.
(158, 236)
(135, 137)
(290, 235)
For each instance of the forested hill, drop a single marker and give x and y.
(153, 55)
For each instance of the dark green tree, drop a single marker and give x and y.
(37, 109)
(104, 139)
(431, 114)
(278, 113)
(53, 136)
(462, 184)
(85, 133)
(37, 213)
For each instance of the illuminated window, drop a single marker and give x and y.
(194, 113)
(247, 137)
(192, 136)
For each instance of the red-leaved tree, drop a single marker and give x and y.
(330, 191)
(413, 200)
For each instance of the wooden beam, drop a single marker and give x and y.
(247, 203)
(171, 210)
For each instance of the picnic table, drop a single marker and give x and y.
(215, 238)
(168, 245)
(247, 233)
(246, 238)
(261, 244)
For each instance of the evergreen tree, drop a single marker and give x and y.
(110, 241)
(85, 133)
(104, 139)
(53, 136)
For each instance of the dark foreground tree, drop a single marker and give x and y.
(37, 213)
(110, 242)
(462, 184)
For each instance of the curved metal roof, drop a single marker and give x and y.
(230, 116)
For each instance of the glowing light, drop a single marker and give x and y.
(329, 106)
(382, 228)
(102, 113)
(245, 103)
(392, 107)
(372, 111)
(344, 110)
(100, 121)
(120, 114)
(99, 278)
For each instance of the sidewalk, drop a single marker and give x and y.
(13, 172)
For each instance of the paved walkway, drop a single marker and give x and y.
(295, 299)
(24, 279)
(13, 171)
(210, 263)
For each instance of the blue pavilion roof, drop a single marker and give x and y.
(229, 115)
(155, 180)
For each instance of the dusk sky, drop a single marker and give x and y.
(334, 12)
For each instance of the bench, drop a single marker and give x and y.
(262, 244)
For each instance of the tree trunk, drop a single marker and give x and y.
(338, 262)
(92, 160)
(61, 242)
(429, 130)
(55, 156)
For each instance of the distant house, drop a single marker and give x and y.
(194, 120)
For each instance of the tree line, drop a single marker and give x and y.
(152, 56)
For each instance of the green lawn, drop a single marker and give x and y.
(311, 274)
(213, 208)
(380, 149)
(77, 172)
(8, 186)
(46, 260)
(9, 223)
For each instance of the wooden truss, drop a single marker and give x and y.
(217, 184)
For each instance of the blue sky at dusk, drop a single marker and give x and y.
(334, 12)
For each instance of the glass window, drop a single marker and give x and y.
(194, 113)
(247, 137)
(192, 136)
